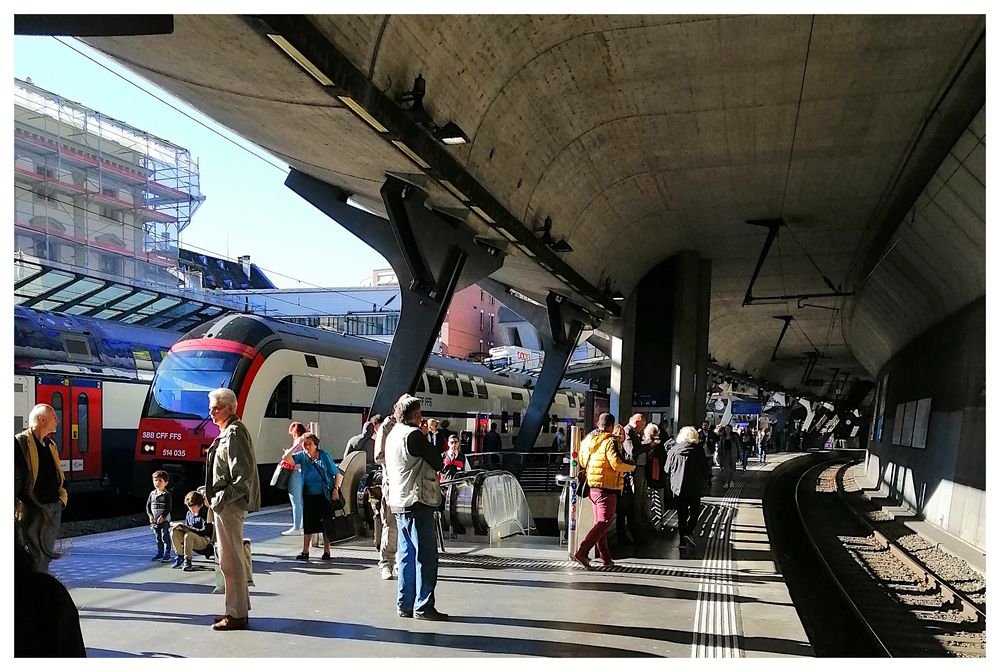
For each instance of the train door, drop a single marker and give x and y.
(77, 404)
(482, 426)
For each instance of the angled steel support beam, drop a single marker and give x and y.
(432, 256)
(343, 81)
(559, 324)
(565, 322)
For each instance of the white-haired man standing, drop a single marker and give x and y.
(412, 465)
(41, 454)
(232, 488)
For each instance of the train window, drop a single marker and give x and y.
(373, 371)
(57, 406)
(311, 362)
(77, 348)
(517, 420)
(571, 399)
(434, 384)
(451, 385)
(467, 388)
(280, 405)
(481, 391)
(143, 363)
(82, 422)
(420, 383)
(554, 422)
(504, 422)
(517, 396)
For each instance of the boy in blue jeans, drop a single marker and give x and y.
(158, 506)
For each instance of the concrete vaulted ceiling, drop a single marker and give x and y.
(640, 136)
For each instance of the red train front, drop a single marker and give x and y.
(174, 429)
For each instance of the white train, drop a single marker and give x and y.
(283, 372)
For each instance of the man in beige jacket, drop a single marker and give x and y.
(232, 488)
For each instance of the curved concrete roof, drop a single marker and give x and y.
(641, 136)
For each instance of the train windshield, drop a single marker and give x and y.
(182, 383)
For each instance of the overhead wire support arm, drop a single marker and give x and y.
(749, 299)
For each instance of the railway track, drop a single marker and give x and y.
(910, 607)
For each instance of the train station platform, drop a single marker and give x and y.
(521, 597)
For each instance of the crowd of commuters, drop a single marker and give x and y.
(624, 465)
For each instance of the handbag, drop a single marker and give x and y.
(281, 476)
(335, 504)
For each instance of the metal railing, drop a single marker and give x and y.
(535, 471)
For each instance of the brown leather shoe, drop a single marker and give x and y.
(216, 619)
(232, 623)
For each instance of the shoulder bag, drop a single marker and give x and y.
(281, 476)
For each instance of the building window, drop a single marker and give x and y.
(111, 264)
(482, 320)
(491, 324)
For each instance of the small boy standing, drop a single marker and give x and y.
(158, 507)
(195, 533)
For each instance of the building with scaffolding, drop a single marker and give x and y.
(95, 194)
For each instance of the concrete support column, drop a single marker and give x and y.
(689, 337)
(667, 354)
(623, 360)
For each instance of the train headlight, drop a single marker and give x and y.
(149, 448)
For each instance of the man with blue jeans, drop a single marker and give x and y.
(411, 469)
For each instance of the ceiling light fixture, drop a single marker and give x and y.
(363, 113)
(617, 296)
(401, 146)
(454, 190)
(451, 134)
(300, 58)
(479, 211)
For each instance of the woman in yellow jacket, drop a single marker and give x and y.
(600, 456)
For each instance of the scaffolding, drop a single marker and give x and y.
(96, 193)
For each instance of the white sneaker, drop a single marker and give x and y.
(292, 531)
(386, 573)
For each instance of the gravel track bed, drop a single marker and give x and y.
(950, 568)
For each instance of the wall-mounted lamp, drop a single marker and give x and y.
(450, 134)
(413, 101)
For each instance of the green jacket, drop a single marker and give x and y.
(231, 477)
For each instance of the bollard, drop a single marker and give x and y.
(574, 468)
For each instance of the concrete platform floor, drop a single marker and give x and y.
(521, 597)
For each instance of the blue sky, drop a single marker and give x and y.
(247, 210)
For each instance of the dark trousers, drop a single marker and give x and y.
(629, 521)
(688, 509)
